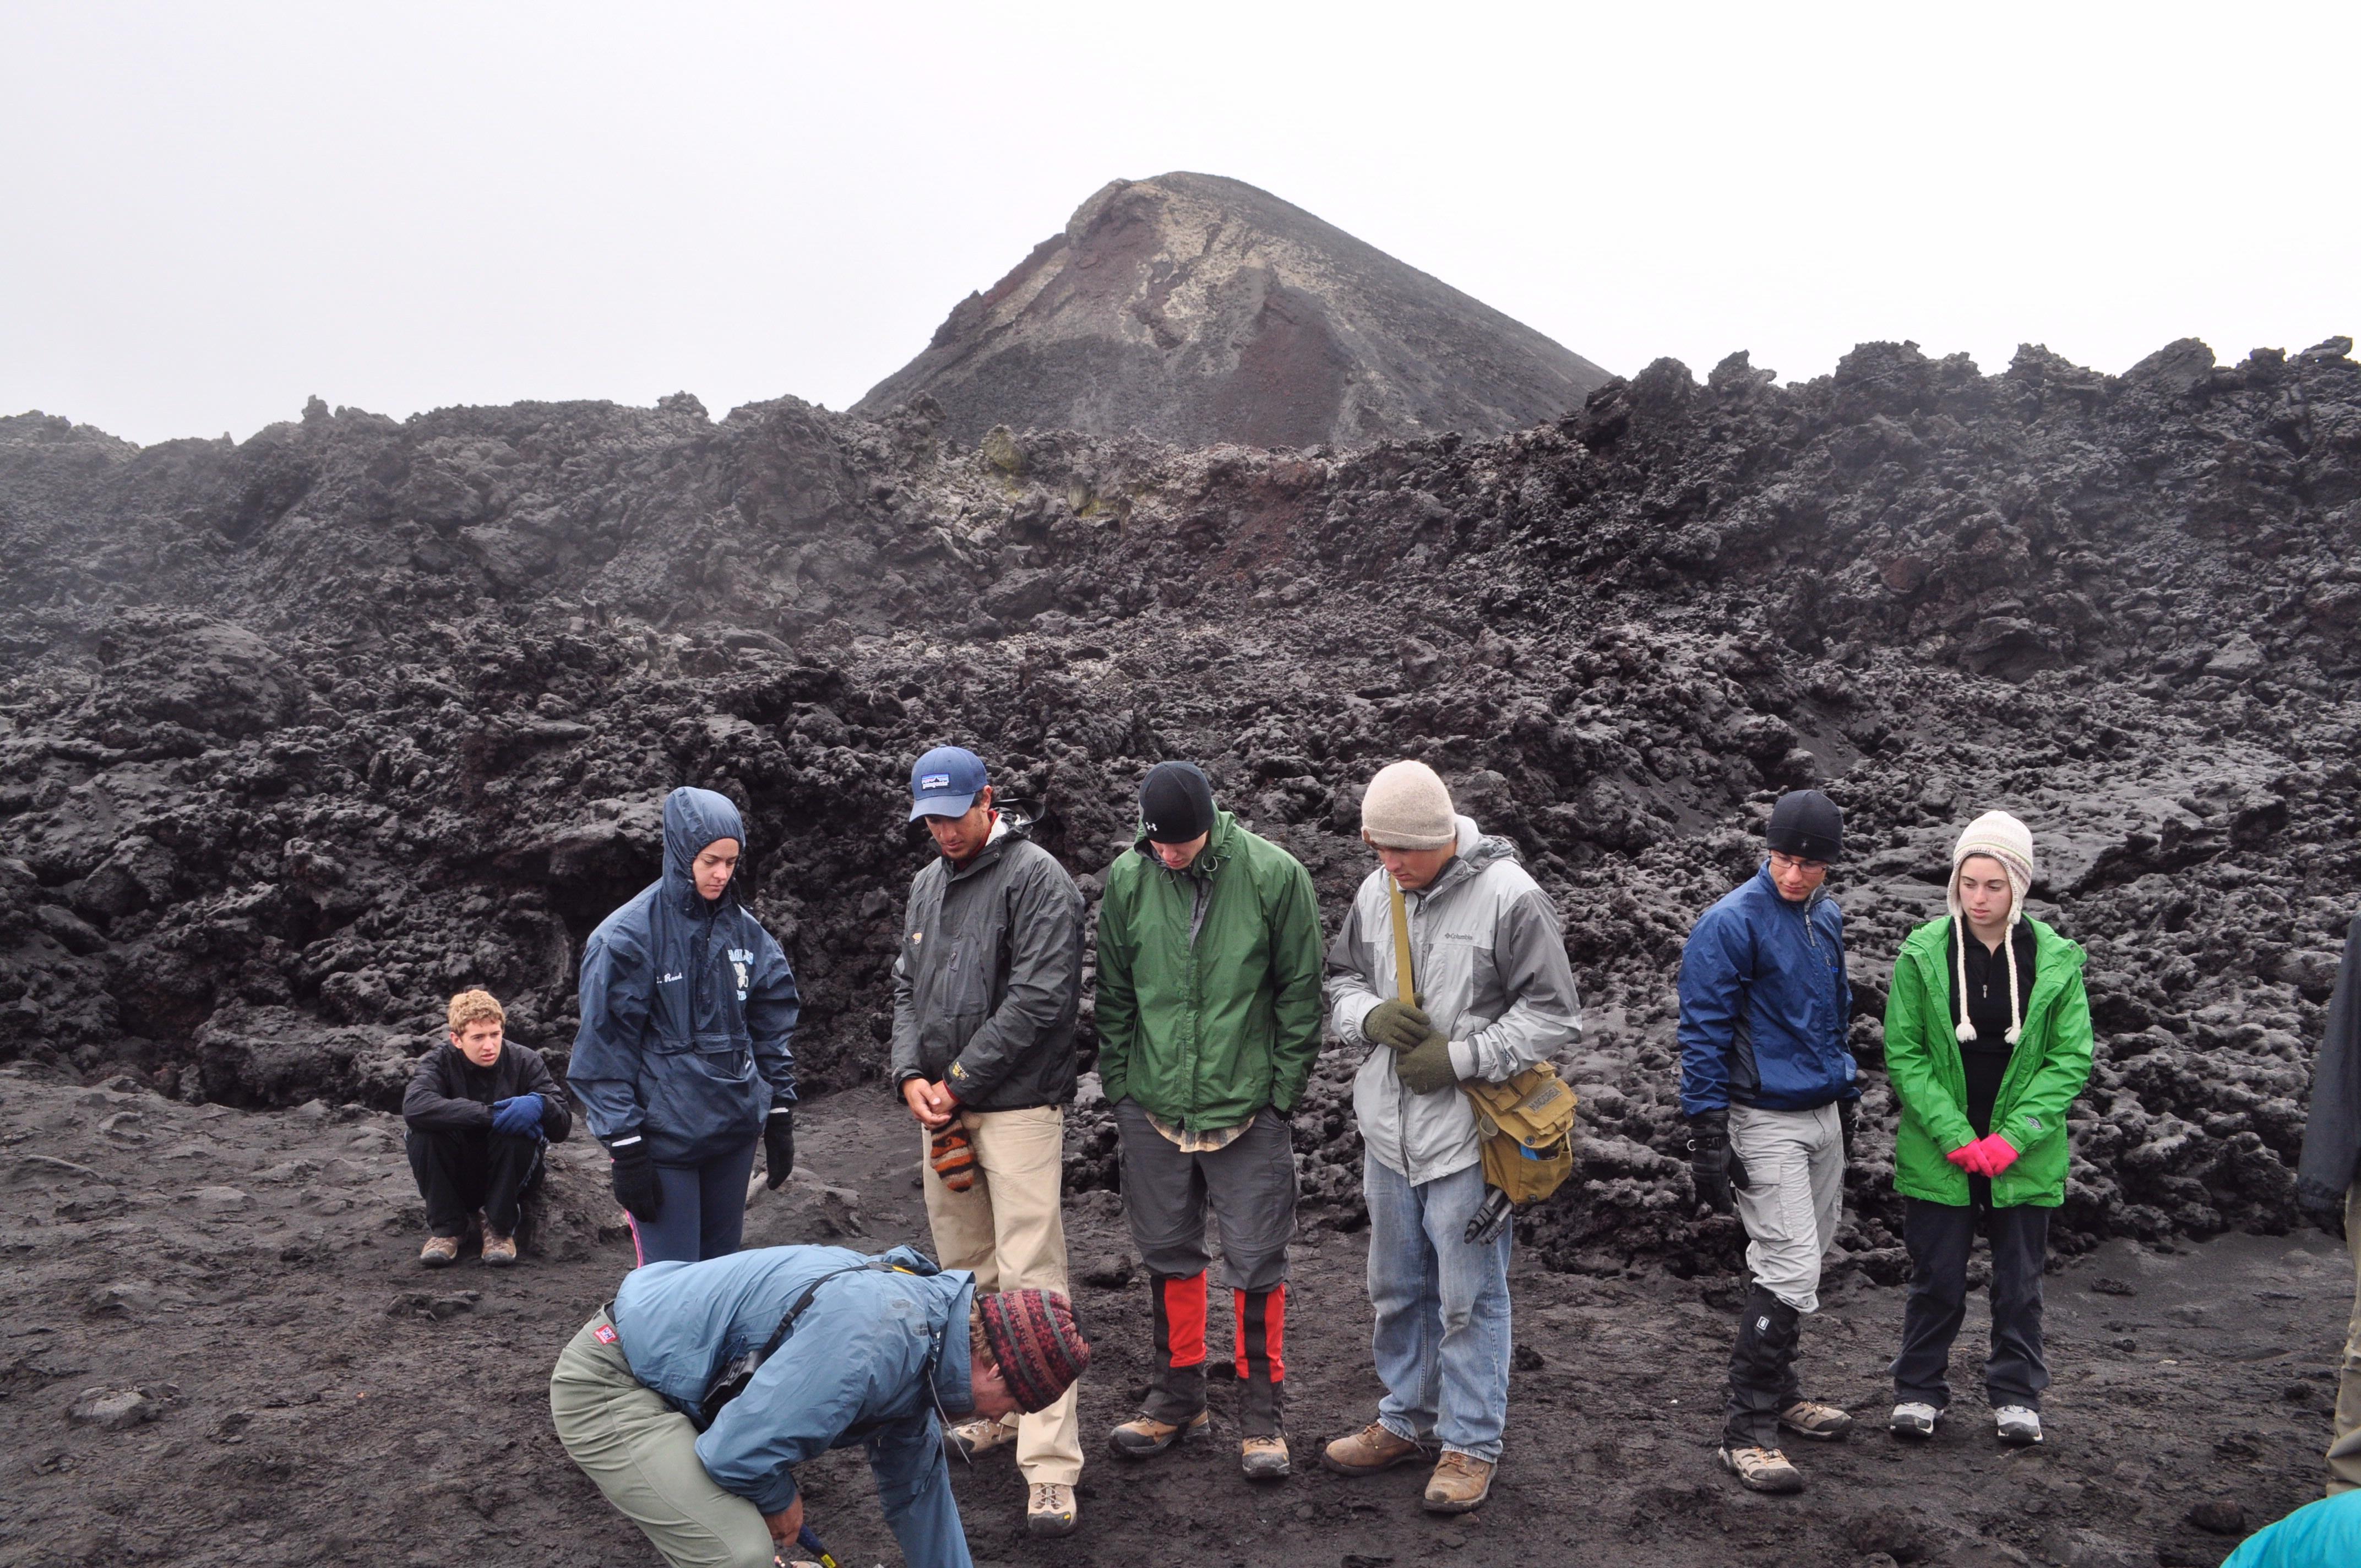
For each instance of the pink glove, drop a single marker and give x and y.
(1964, 1158)
(1998, 1154)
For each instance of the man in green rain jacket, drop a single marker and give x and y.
(1209, 1017)
(1987, 1042)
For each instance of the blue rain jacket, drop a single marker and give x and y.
(869, 1362)
(686, 1007)
(2323, 1534)
(1765, 1007)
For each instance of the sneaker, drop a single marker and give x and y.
(1821, 1423)
(1763, 1469)
(973, 1438)
(2018, 1425)
(1914, 1417)
(1050, 1509)
(1460, 1482)
(1264, 1458)
(439, 1252)
(1369, 1451)
(499, 1251)
(1143, 1435)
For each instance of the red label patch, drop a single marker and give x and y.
(604, 1333)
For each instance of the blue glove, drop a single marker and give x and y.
(519, 1117)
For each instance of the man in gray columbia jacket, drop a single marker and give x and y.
(986, 988)
(1495, 996)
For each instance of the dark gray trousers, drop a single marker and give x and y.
(1939, 1237)
(1250, 1186)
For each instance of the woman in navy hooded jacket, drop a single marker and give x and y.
(682, 1064)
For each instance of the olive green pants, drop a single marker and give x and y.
(642, 1455)
(2344, 1453)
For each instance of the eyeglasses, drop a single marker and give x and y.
(1781, 861)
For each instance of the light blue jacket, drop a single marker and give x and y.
(874, 1357)
(1765, 1007)
(688, 1007)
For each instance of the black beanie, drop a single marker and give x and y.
(1176, 803)
(1809, 824)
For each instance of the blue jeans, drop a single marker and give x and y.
(1442, 1340)
(703, 1209)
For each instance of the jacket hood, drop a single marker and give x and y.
(692, 819)
(1476, 850)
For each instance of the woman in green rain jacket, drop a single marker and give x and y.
(1987, 1042)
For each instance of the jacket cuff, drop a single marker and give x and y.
(631, 1139)
(775, 1494)
(1462, 1058)
(1351, 1014)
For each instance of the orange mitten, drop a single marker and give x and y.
(953, 1158)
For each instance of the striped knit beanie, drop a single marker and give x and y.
(2003, 837)
(1033, 1338)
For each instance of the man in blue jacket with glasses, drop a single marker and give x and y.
(693, 1397)
(1767, 1086)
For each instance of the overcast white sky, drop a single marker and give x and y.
(208, 211)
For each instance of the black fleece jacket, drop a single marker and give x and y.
(2332, 1135)
(448, 1094)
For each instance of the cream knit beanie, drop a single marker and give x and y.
(1407, 806)
(2004, 839)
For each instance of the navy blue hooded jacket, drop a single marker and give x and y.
(1765, 1007)
(873, 1356)
(688, 1007)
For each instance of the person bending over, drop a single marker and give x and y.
(691, 1398)
(478, 1111)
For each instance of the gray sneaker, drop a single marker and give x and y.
(2019, 1426)
(1914, 1417)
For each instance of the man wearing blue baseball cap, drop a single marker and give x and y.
(986, 988)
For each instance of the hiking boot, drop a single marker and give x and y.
(1460, 1482)
(1763, 1469)
(1914, 1417)
(1050, 1509)
(439, 1252)
(499, 1251)
(1143, 1435)
(2020, 1425)
(1821, 1423)
(1369, 1451)
(979, 1437)
(1264, 1458)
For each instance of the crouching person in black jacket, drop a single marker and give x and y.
(479, 1110)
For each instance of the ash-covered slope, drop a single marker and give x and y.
(1195, 310)
(299, 734)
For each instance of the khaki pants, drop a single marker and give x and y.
(642, 1455)
(1794, 1167)
(1007, 1228)
(2344, 1453)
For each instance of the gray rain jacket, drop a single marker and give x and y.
(1490, 967)
(989, 978)
(2332, 1133)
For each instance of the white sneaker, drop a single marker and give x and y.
(2018, 1425)
(973, 1438)
(1912, 1418)
(1050, 1509)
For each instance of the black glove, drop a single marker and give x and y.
(1426, 1067)
(1714, 1167)
(635, 1179)
(1397, 1024)
(779, 1145)
(1848, 1114)
(2323, 1209)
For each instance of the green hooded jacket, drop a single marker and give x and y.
(1204, 1028)
(2047, 1070)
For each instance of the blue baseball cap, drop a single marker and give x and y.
(945, 783)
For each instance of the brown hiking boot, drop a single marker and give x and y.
(1264, 1458)
(1369, 1451)
(1821, 1423)
(499, 1251)
(1049, 1508)
(439, 1252)
(1460, 1482)
(1763, 1469)
(1143, 1435)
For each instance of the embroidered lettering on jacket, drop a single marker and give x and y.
(740, 958)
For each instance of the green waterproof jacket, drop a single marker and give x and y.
(2047, 1070)
(1209, 1003)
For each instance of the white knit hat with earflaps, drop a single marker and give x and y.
(2009, 841)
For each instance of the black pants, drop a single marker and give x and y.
(461, 1172)
(1939, 1237)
